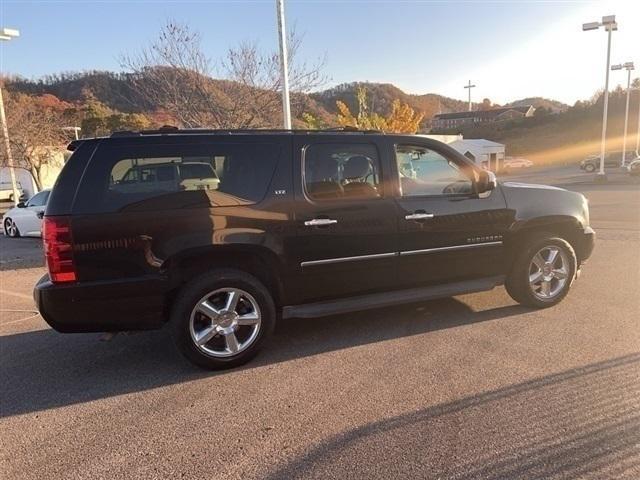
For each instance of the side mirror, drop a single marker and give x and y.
(486, 182)
(21, 205)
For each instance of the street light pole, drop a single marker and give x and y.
(628, 66)
(638, 132)
(469, 87)
(284, 67)
(7, 34)
(609, 23)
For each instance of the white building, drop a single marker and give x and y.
(48, 173)
(485, 153)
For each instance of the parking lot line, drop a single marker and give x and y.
(16, 294)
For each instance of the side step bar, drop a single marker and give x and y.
(395, 297)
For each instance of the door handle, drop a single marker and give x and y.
(419, 216)
(320, 222)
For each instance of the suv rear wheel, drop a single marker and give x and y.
(543, 272)
(221, 319)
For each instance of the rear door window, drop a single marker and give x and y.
(174, 176)
(334, 171)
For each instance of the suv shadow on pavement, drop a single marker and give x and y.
(43, 369)
(579, 423)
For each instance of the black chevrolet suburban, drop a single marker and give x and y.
(297, 224)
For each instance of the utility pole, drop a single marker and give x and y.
(284, 67)
(7, 34)
(610, 25)
(628, 66)
(469, 86)
(638, 132)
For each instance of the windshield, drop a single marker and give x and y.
(196, 170)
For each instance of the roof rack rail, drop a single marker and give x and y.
(170, 129)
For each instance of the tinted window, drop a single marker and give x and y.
(341, 171)
(174, 176)
(426, 172)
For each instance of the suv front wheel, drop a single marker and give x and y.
(543, 272)
(222, 318)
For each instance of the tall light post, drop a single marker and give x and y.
(469, 87)
(638, 132)
(284, 65)
(7, 34)
(628, 66)
(610, 25)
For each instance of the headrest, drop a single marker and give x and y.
(357, 166)
(325, 169)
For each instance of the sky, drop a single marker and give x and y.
(509, 49)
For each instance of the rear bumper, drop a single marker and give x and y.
(104, 306)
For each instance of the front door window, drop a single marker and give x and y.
(424, 172)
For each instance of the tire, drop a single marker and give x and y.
(11, 229)
(211, 293)
(589, 168)
(550, 289)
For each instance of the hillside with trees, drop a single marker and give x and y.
(173, 82)
(566, 136)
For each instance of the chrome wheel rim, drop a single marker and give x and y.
(225, 322)
(548, 272)
(10, 227)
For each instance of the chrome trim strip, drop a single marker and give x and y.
(452, 247)
(348, 259)
(326, 261)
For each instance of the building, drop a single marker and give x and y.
(443, 138)
(48, 172)
(485, 153)
(445, 121)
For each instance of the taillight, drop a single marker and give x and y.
(58, 249)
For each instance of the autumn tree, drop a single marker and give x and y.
(402, 119)
(173, 73)
(35, 132)
(485, 105)
(312, 122)
(97, 119)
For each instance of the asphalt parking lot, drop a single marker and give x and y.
(469, 387)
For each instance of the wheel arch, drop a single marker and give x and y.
(255, 260)
(563, 226)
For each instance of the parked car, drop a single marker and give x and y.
(25, 219)
(634, 167)
(6, 192)
(302, 224)
(511, 164)
(168, 176)
(613, 159)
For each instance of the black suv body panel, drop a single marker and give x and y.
(103, 306)
(64, 191)
(132, 257)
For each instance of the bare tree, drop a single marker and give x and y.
(174, 74)
(35, 134)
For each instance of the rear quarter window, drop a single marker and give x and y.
(123, 178)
